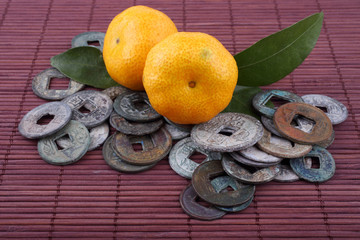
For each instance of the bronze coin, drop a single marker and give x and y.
(155, 146)
(201, 181)
(188, 203)
(285, 114)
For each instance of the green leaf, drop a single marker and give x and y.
(242, 101)
(84, 65)
(277, 55)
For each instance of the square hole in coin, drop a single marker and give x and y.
(45, 120)
(303, 123)
(226, 131)
(227, 189)
(142, 143)
(140, 105)
(276, 101)
(86, 108)
(63, 142)
(93, 43)
(58, 83)
(315, 163)
(324, 109)
(197, 157)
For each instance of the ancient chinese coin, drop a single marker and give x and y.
(29, 127)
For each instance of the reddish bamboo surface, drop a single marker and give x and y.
(88, 200)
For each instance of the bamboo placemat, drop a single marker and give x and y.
(89, 200)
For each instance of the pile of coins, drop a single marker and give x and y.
(241, 153)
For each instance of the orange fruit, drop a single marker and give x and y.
(129, 38)
(189, 77)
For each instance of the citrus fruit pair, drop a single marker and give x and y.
(189, 77)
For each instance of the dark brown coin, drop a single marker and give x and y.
(115, 162)
(188, 203)
(282, 147)
(155, 147)
(201, 181)
(285, 114)
(134, 128)
(241, 172)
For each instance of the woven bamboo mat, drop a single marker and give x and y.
(89, 200)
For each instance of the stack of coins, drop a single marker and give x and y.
(246, 154)
(240, 151)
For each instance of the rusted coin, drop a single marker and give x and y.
(155, 147)
(135, 106)
(249, 162)
(79, 137)
(41, 83)
(115, 162)
(29, 127)
(221, 183)
(282, 147)
(115, 91)
(286, 173)
(92, 39)
(98, 136)
(335, 110)
(252, 176)
(254, 153)
(285, 114)
(326, 166)
(269, 125)
(228, 132)
(176, 134)
(134, 128)
(90, 107)
(181, 127)
(259, 101)
(179, 157)
(202, 185)
(188, 203)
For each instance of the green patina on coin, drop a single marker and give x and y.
(80, 141)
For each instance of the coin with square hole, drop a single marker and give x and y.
(89, 39)
(45, 120)
(249, 162)
(320, 172)
(189, 203)
(201, 181)
(115, 162)
(42, 82)
(281, 147)
(154, 147)
(260, 99)
(176, 133)
(248, 174)
(228, 132)
(181, 127)
(180, 161)
(335, 110)
(90, 107)
(285, 115)
(254, 153)
(115, 91)
(226, 183)
(135, 106)
(134, 128)
(79, 137)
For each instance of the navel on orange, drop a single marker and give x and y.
(189, 77)
(129, 38)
